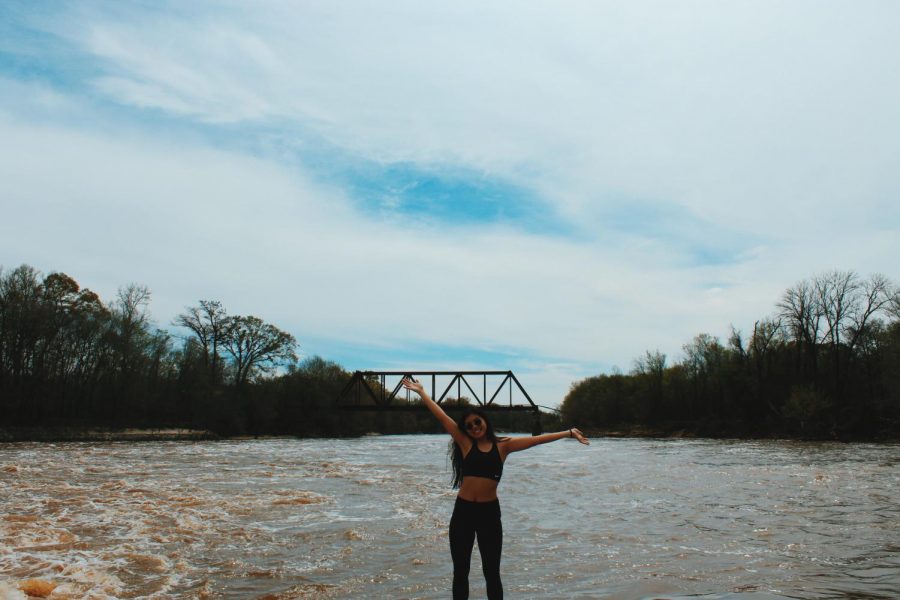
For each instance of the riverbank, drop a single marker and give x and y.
(74, 434)
(670, 431)
(890, 433)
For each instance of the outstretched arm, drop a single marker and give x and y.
(523, 443)
(449, 424)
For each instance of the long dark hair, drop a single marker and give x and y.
(455, 452)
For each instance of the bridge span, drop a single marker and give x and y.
(486, 390)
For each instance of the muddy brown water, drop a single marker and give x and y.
(367, 518)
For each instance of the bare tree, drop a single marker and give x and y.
(652, 364)
(131, 319)
(765, 333)
(894, 306)
(849, 307)
(703, 354)
(837, 293)
(801, 313)
(208, 322)
(736, 343)
(256, 346)
(20, 299)
(876, 295)
(59, 299)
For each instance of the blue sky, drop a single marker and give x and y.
(547, 188)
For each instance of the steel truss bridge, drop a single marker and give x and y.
(383, 391)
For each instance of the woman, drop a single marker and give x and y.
(478, 457)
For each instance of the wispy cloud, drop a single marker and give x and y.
(531, 185)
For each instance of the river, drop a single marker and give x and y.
(367, 518)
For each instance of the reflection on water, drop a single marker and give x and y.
(368, 518)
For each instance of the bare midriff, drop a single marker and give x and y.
(478, 489)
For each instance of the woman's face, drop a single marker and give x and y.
(476, 427)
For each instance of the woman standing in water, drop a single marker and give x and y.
(478, 457)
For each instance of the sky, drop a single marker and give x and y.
(551, 188)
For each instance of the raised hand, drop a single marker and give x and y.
(576, 433)
(412, 384)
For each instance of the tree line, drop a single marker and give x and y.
(70, 360)
(824, 364)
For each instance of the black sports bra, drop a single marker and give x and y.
(483, 464)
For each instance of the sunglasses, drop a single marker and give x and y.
(476, 422)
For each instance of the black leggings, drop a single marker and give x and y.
(470, 519)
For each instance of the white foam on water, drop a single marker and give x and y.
(712, 519)
(9, 591)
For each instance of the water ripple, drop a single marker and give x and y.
(367, 518)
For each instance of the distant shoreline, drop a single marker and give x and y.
(705, 432)
(90, 434)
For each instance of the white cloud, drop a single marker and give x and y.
(775, 123)
(198, 223)
(729, 109)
